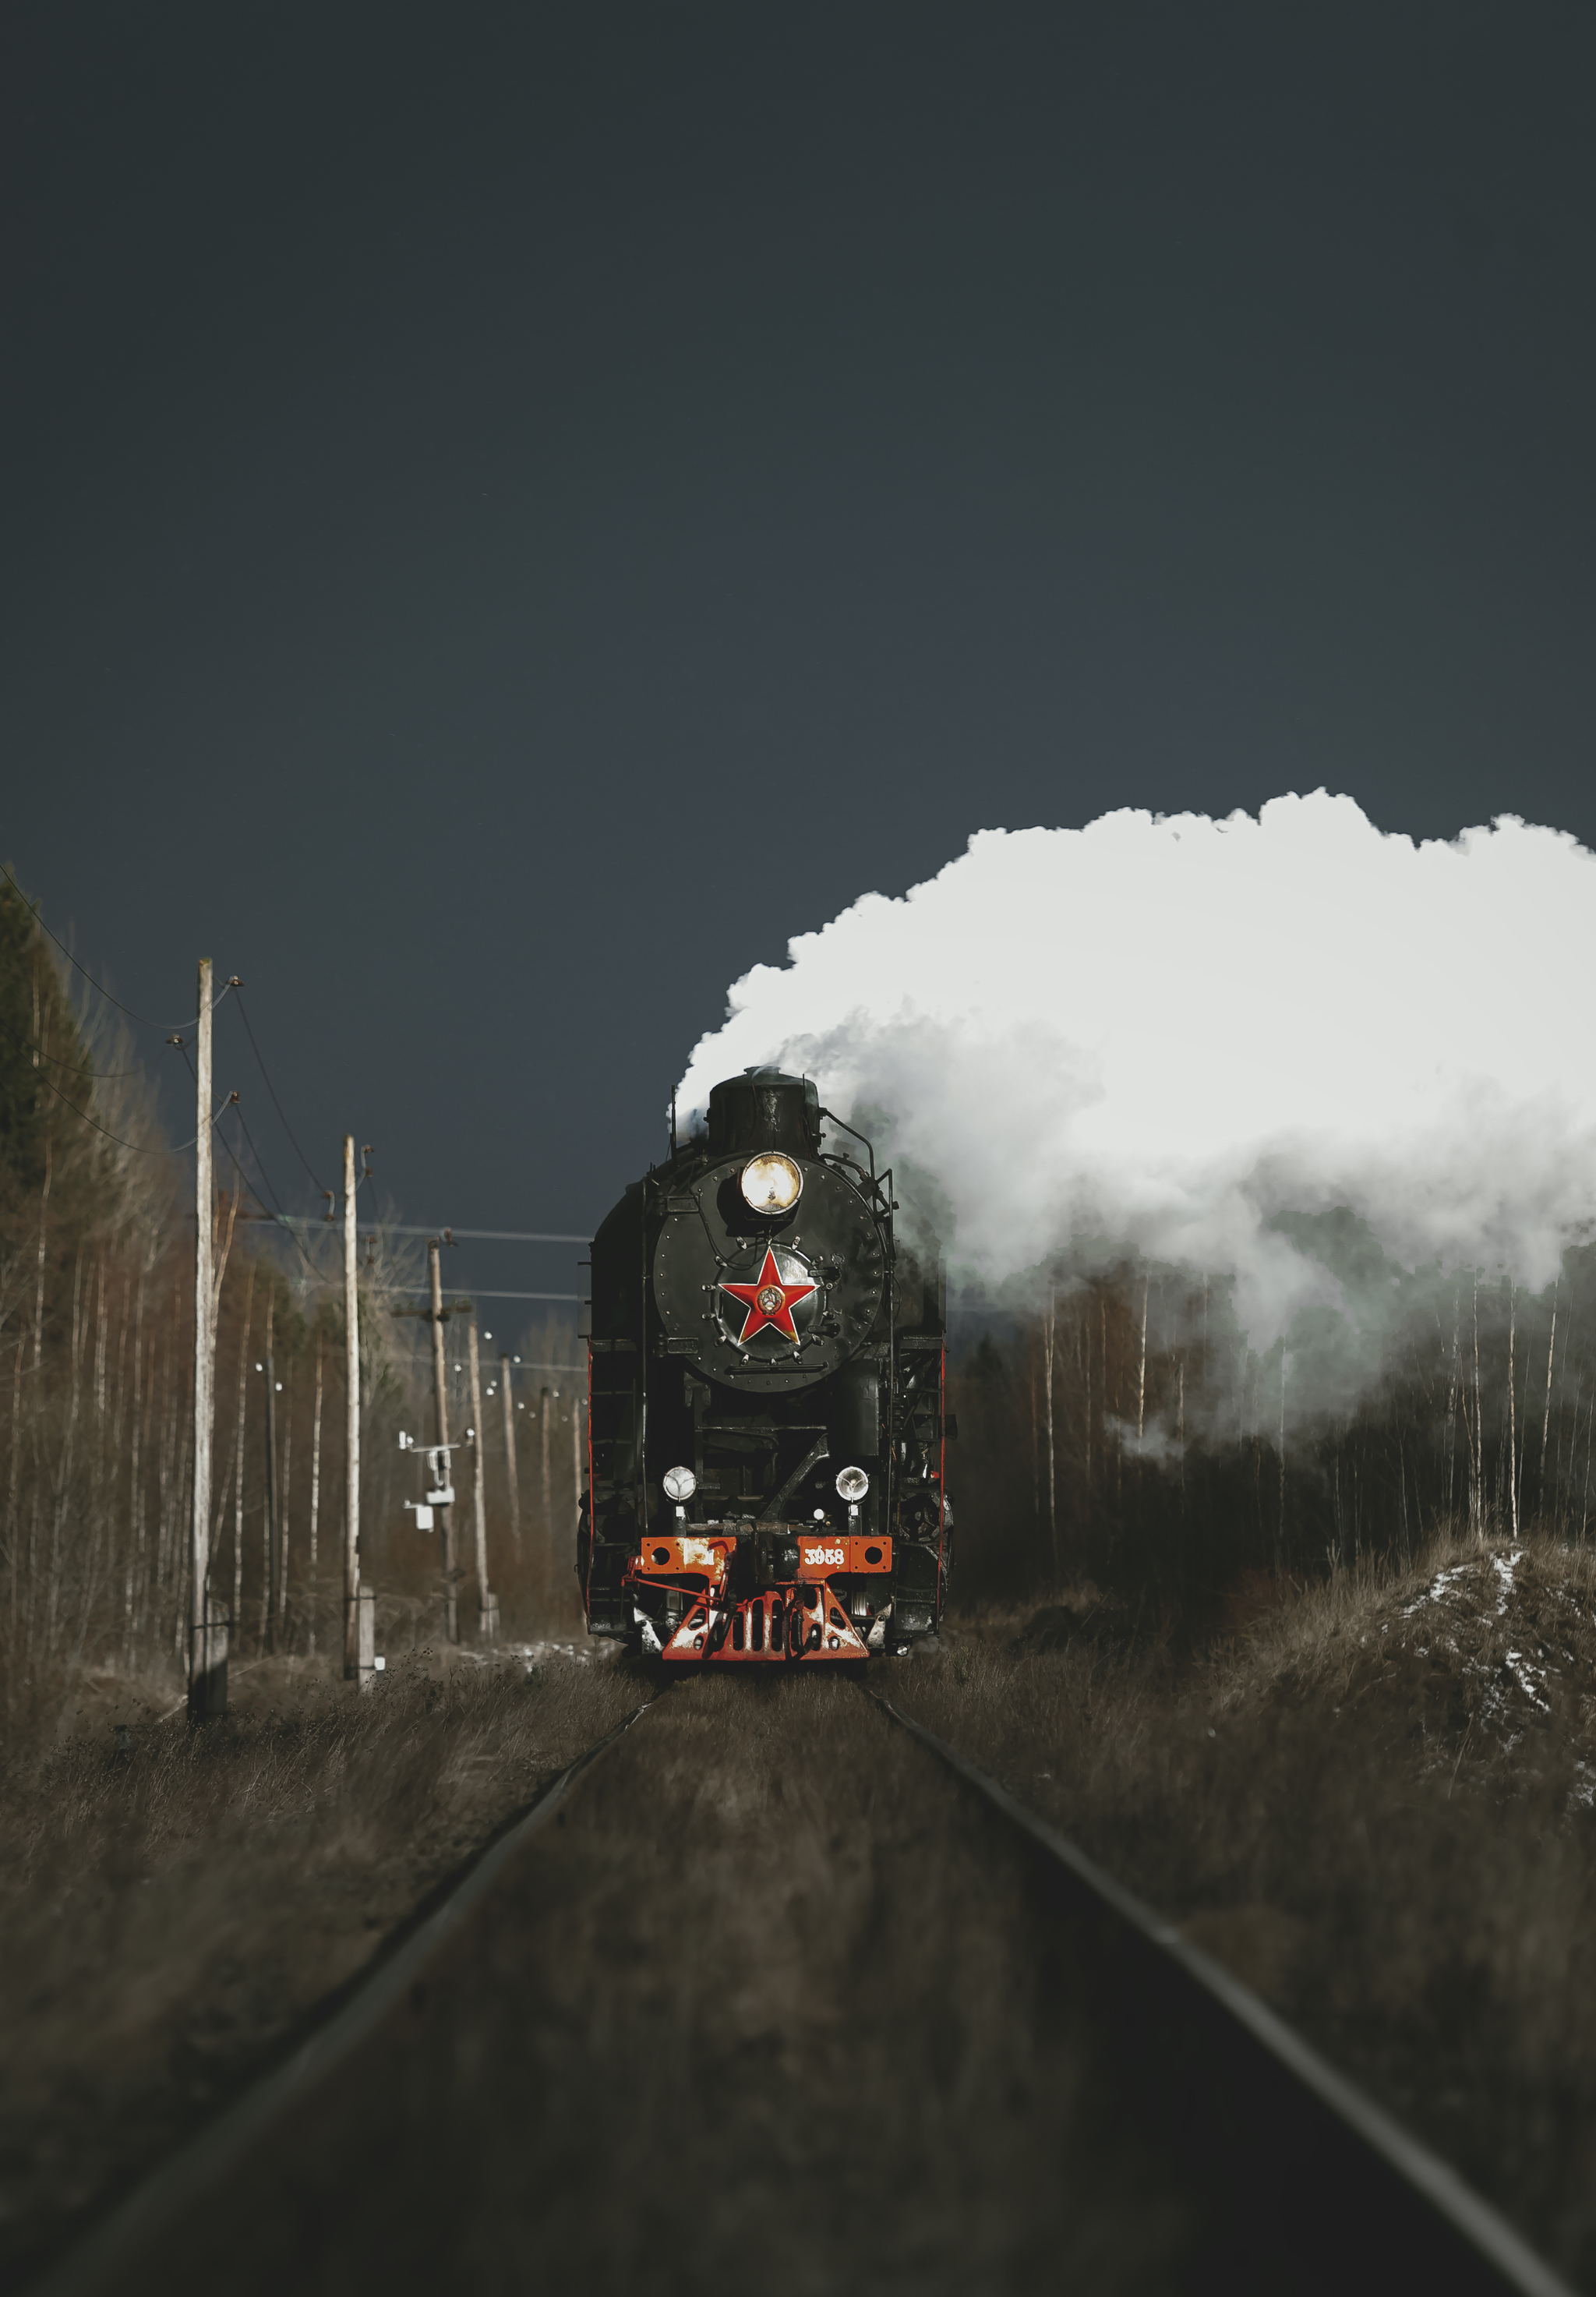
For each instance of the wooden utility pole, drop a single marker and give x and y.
(206, 1665)
(269, 1638)
(576, 1455)
(446, 1514)
(546, 1412)
(509, 1411)
(546, 1528)
(487, 1602)
(351, 1379)
(314, 1491)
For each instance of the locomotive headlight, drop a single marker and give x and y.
(680, 1484)
(771, 1183)
(853, 1484)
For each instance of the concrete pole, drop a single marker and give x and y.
(509, 1412)
(351, 1379)
(546, 1512)
(205, 1696)
(273, 1558)
(546, 1414)
(445, 1515)
(487, 1603)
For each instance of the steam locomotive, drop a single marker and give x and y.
(767, 1434)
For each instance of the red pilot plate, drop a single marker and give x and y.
(682, 1553)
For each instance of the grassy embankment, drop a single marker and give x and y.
(1373, 1802)
(172, 1910)
(1375, 1805)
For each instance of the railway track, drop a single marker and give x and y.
(1304, 2131)
(774, 1986)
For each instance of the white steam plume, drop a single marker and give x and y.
(1169, 1035)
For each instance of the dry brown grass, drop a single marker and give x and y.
(1370, 1801)
(774, 2005)
(169, 1917)
(1375, 1805)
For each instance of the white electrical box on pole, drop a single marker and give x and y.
(207, 1639)
(487, 1602)
(451, 1575)
(352, 1668)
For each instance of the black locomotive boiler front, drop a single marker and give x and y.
(767, 1423)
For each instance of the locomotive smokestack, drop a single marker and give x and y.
(764, 1108)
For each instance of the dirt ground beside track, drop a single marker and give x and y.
(172, 1913)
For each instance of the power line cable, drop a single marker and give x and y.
(283, 1220)
(93, 1076)
(260, 1166)
(473, 1292)
(282, 1216)
(271, 1087)
(491, 1235)
(246, 1183)
(142, 1018)
(136, 1147)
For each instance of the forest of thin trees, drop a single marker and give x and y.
(1125, 1432)
(96, 1372)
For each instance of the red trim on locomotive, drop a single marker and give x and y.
(801, 1618)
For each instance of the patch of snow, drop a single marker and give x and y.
(1441, 1585)
(1528, 1678)
(1504, 1567)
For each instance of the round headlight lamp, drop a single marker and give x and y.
(771, 1183)
(853, 1484)
(680, 1484)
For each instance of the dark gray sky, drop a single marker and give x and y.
(512, 512)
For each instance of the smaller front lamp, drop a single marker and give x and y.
(771, 1183)
(853, 1484)
(680, 1484)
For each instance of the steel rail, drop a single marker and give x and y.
(1445, 2214)
(160, 2202)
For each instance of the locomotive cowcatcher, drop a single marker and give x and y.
(766, 1472)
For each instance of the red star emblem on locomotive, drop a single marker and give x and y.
(769, 1300)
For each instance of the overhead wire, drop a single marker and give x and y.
(93, 1076)
(144, 1021)
(283, 1220)
(244, 1179)
(136, 1147)
(271, 1087)
(246, 1183)
(142, 1018)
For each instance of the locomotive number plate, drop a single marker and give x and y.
(851, 1553)
(823, 1555)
